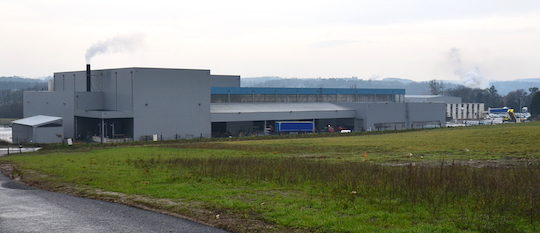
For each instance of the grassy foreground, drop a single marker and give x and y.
(324, 184)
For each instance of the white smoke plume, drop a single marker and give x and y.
(469, 77)
(125, 43)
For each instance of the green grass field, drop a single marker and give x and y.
(482, 142)
(322, 184)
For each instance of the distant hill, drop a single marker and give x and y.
(18, 83)
(507, 86)
(401, 80)
(411, 87)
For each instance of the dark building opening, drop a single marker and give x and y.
(94, 129)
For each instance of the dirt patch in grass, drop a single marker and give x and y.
(191, 210)
(498, 163)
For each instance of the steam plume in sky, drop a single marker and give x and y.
(470, 78)
(117, 44)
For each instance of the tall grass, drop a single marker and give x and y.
(498, 193)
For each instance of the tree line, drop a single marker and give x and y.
(11, 101)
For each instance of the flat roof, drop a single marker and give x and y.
(304, 91)
(432, 99)
(231, 112)
(36, 121)
(424, 96)
(130, 68)
(275, 107)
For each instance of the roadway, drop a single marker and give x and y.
(25, 209)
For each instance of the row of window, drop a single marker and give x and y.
(275, 98)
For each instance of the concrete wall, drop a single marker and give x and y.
(225, 81)
(59, 104)
(171, 102)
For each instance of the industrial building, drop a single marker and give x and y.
(456, 111)
(127, 104)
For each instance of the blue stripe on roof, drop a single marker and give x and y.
(305, 91)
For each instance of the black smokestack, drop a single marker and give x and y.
(88, 78)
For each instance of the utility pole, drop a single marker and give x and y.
(102, 129)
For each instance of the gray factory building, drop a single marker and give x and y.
(456, 111)
(138, 103)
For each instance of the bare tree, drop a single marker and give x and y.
(436, 87)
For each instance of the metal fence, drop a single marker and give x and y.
(9, 150)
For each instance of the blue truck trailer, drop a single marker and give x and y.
(294, 126)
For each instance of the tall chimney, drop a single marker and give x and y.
(88, 78)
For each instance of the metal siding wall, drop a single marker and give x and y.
(425, 112)
(369, 114)
(109, 81)
(117, 89)
(60, 104)
(21, 133)
(48, 134)
(170, 102)
(88, 101)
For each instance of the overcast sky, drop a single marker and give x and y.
(304, 38)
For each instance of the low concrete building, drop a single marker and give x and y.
(37, 129)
